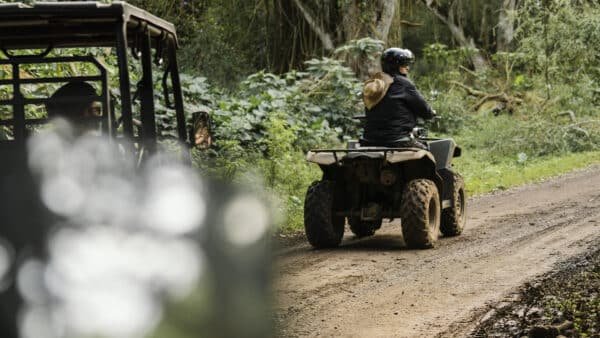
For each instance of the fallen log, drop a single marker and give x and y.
(508, 100)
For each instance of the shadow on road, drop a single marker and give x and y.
(383, 242)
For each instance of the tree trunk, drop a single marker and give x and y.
(384, 18)
(457, 31)
(329, 24)
(374, 21)
(506, 25)
(316, 26)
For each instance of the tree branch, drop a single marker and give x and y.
(319, 31)
(470, 90)
(503, 97)
(468, 70)
(435, 11)
(410, 23)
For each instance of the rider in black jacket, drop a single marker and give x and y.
(390, 122)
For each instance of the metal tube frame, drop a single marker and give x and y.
(149, 131)
(125, 85)
(177, 94)
(18, 105)
(178, 101)
(18, 102)
(147, 96)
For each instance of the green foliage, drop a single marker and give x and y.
(450, 108)
(283, 161)
(264, 122)
(560, 37)
(483, 175)
(506, 137)
(268, 123)
(558, 42)
(551, 79)
(365, 48)
(198, 94)
(311, 108)
(318, 105)
(440, 59)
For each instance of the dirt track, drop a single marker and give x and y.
(374, 287)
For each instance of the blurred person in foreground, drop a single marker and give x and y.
(393, 103)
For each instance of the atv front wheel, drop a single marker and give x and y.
(363, 228)
(455, 217)
(420, 214)
(322, 227)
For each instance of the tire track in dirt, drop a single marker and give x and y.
(375, 287)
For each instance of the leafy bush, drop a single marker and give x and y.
(506, 137)
(318, 105)
(451, 108)
(439, 59)
(285, 172)
(268, 123)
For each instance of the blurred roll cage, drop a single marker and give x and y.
(48, 25)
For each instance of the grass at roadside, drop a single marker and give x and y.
(482, 176)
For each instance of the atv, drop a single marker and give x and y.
(365, 184)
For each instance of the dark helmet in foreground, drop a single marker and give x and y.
(393, 58)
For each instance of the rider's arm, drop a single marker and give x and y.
(414, 100)
(417, 102)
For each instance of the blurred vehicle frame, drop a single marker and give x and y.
(48, 26)
(28, 36)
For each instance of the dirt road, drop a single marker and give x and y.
(374, 287)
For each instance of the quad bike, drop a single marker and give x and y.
(365, 184)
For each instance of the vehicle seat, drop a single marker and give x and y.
(396, 143)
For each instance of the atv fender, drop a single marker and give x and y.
(444, 150)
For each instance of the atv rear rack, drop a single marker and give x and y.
(392, 155)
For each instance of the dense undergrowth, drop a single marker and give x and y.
(532, 113)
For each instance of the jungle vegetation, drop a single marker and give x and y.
(516, 82)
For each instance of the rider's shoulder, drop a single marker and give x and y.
(402, 80)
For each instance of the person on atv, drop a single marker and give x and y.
(393, 103)
(77, 102)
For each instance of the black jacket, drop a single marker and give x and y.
(396, 114)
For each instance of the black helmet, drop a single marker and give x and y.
(392, 58)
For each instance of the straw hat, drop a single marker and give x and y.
(375, 88)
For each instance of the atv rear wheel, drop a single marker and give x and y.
(455, 217)
(322, 227)
(363, 228)
(420, 214)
